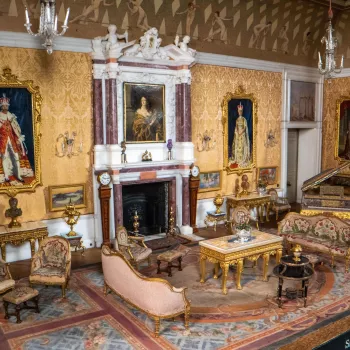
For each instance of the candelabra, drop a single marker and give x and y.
(331, 44)
(48, 24)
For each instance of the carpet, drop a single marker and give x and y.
(167, 242)
(246, 319)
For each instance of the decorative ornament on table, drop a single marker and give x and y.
(244, 231)
(296, 250)
(123, 155)
(245, 185)
(170, 147)
(205, 141)
(218, 201)
(71, 217)
(270, 139)
(147, 156)
(236, 188)
(65, 145)
(262, 185)
(13, 212)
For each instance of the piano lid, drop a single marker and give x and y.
(323, 176)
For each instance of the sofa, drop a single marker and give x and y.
(321, 233)
(154, 296)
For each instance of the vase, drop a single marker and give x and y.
(244, 235)
(170, 156)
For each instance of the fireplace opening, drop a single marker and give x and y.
(150, 200)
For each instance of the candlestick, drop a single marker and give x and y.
(27, 16)
(66, 19)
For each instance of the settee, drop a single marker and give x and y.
(154, 296)
(321, 233)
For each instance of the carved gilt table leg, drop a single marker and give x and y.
(216, 270)
(239, 273)
(278, 256)
(224, 267)
(3, 251)
(265, 266)
(267, 211)
(203, 259)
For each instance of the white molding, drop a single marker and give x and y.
(344, 73)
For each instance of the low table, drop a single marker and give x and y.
(293, 270)
(20, 296)
(75, 242)
(226, 251)
(170, 256)
(213, 216)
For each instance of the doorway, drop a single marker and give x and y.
(292, 165)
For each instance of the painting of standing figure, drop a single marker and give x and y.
(302, 101)
(144, 113)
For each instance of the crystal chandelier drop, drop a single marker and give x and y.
(331, 44)
(48, 23)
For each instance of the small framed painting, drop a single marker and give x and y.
(210, 181)
(60, 196)
(302, 101)
(269, 174)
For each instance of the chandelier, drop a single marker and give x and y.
(331, 44)
(48, 24)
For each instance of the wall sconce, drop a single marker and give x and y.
(66, 146)
(271, 139)
(206, 141)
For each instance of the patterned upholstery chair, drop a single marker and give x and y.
(6, 281)
(51, 264)
(241, 215)
(278, 204)
(154, 296)
(133, 248)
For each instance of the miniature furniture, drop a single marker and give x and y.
(250, 201)
(228, 250)
(132, 247)
(321, 233)
(213, 216)
(29, 231)
(170, 256)
(278, 204)
(6, 281)
(154, 296)
(290, 269)
(51, 264)
(20, 296)
(75, 242)
(241, 215)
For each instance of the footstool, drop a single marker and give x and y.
(17, 297)
(170, 256)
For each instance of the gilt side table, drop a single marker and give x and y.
(213, 216)
(75, 242)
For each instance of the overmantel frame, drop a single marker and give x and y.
(239, 93)
(9, 80)
(336, 143)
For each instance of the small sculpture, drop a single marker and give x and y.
(136, 224)
(170, 147)
(71, 217)
(171, 226)
(123, 146)
(147, 156)
(183, 45)
(13, 212)
(245, 185)
(236, 189)
(218, 201)
(296, 250)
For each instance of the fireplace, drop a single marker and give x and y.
(151, 201)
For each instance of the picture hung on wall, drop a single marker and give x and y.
(20, 105)
(144, 113)
(302, 101)
(342, 144)
(60, 196)
(210, 181)
(239, 118)
(269, 174)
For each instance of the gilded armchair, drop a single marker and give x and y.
(6, 281)
(133, 248)
(278, 204)
(241, 215)
(51, 264)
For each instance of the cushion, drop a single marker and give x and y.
(45, 274)
(169, 255)
(6, 284)
(140, 253)
(20, 295)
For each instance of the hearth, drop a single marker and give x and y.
(151, 201)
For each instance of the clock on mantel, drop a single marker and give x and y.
(194, 185)
(104, 192)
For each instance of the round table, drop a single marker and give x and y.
(293, 270)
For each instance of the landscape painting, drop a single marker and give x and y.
(60, 196)
(209, 181)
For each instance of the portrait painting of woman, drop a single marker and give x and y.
(144, 117)
(344, 130)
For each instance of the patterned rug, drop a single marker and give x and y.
(245, 319)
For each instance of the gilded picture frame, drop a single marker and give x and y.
(210, 181)
(61, 195)
(342, 139)
(270, 173)
(144, 113)
(239, 119)
(20, 119)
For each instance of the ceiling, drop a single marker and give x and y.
(336, 4)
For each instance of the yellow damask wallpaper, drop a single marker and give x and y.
(209, 86)
(64, 79)
(333, 89)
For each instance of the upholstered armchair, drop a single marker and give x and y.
(51, 264)
(154, 296)
(132, 247)
(278, 204)
(241, 215)
(6, 281)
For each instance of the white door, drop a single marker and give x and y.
(292, 165)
